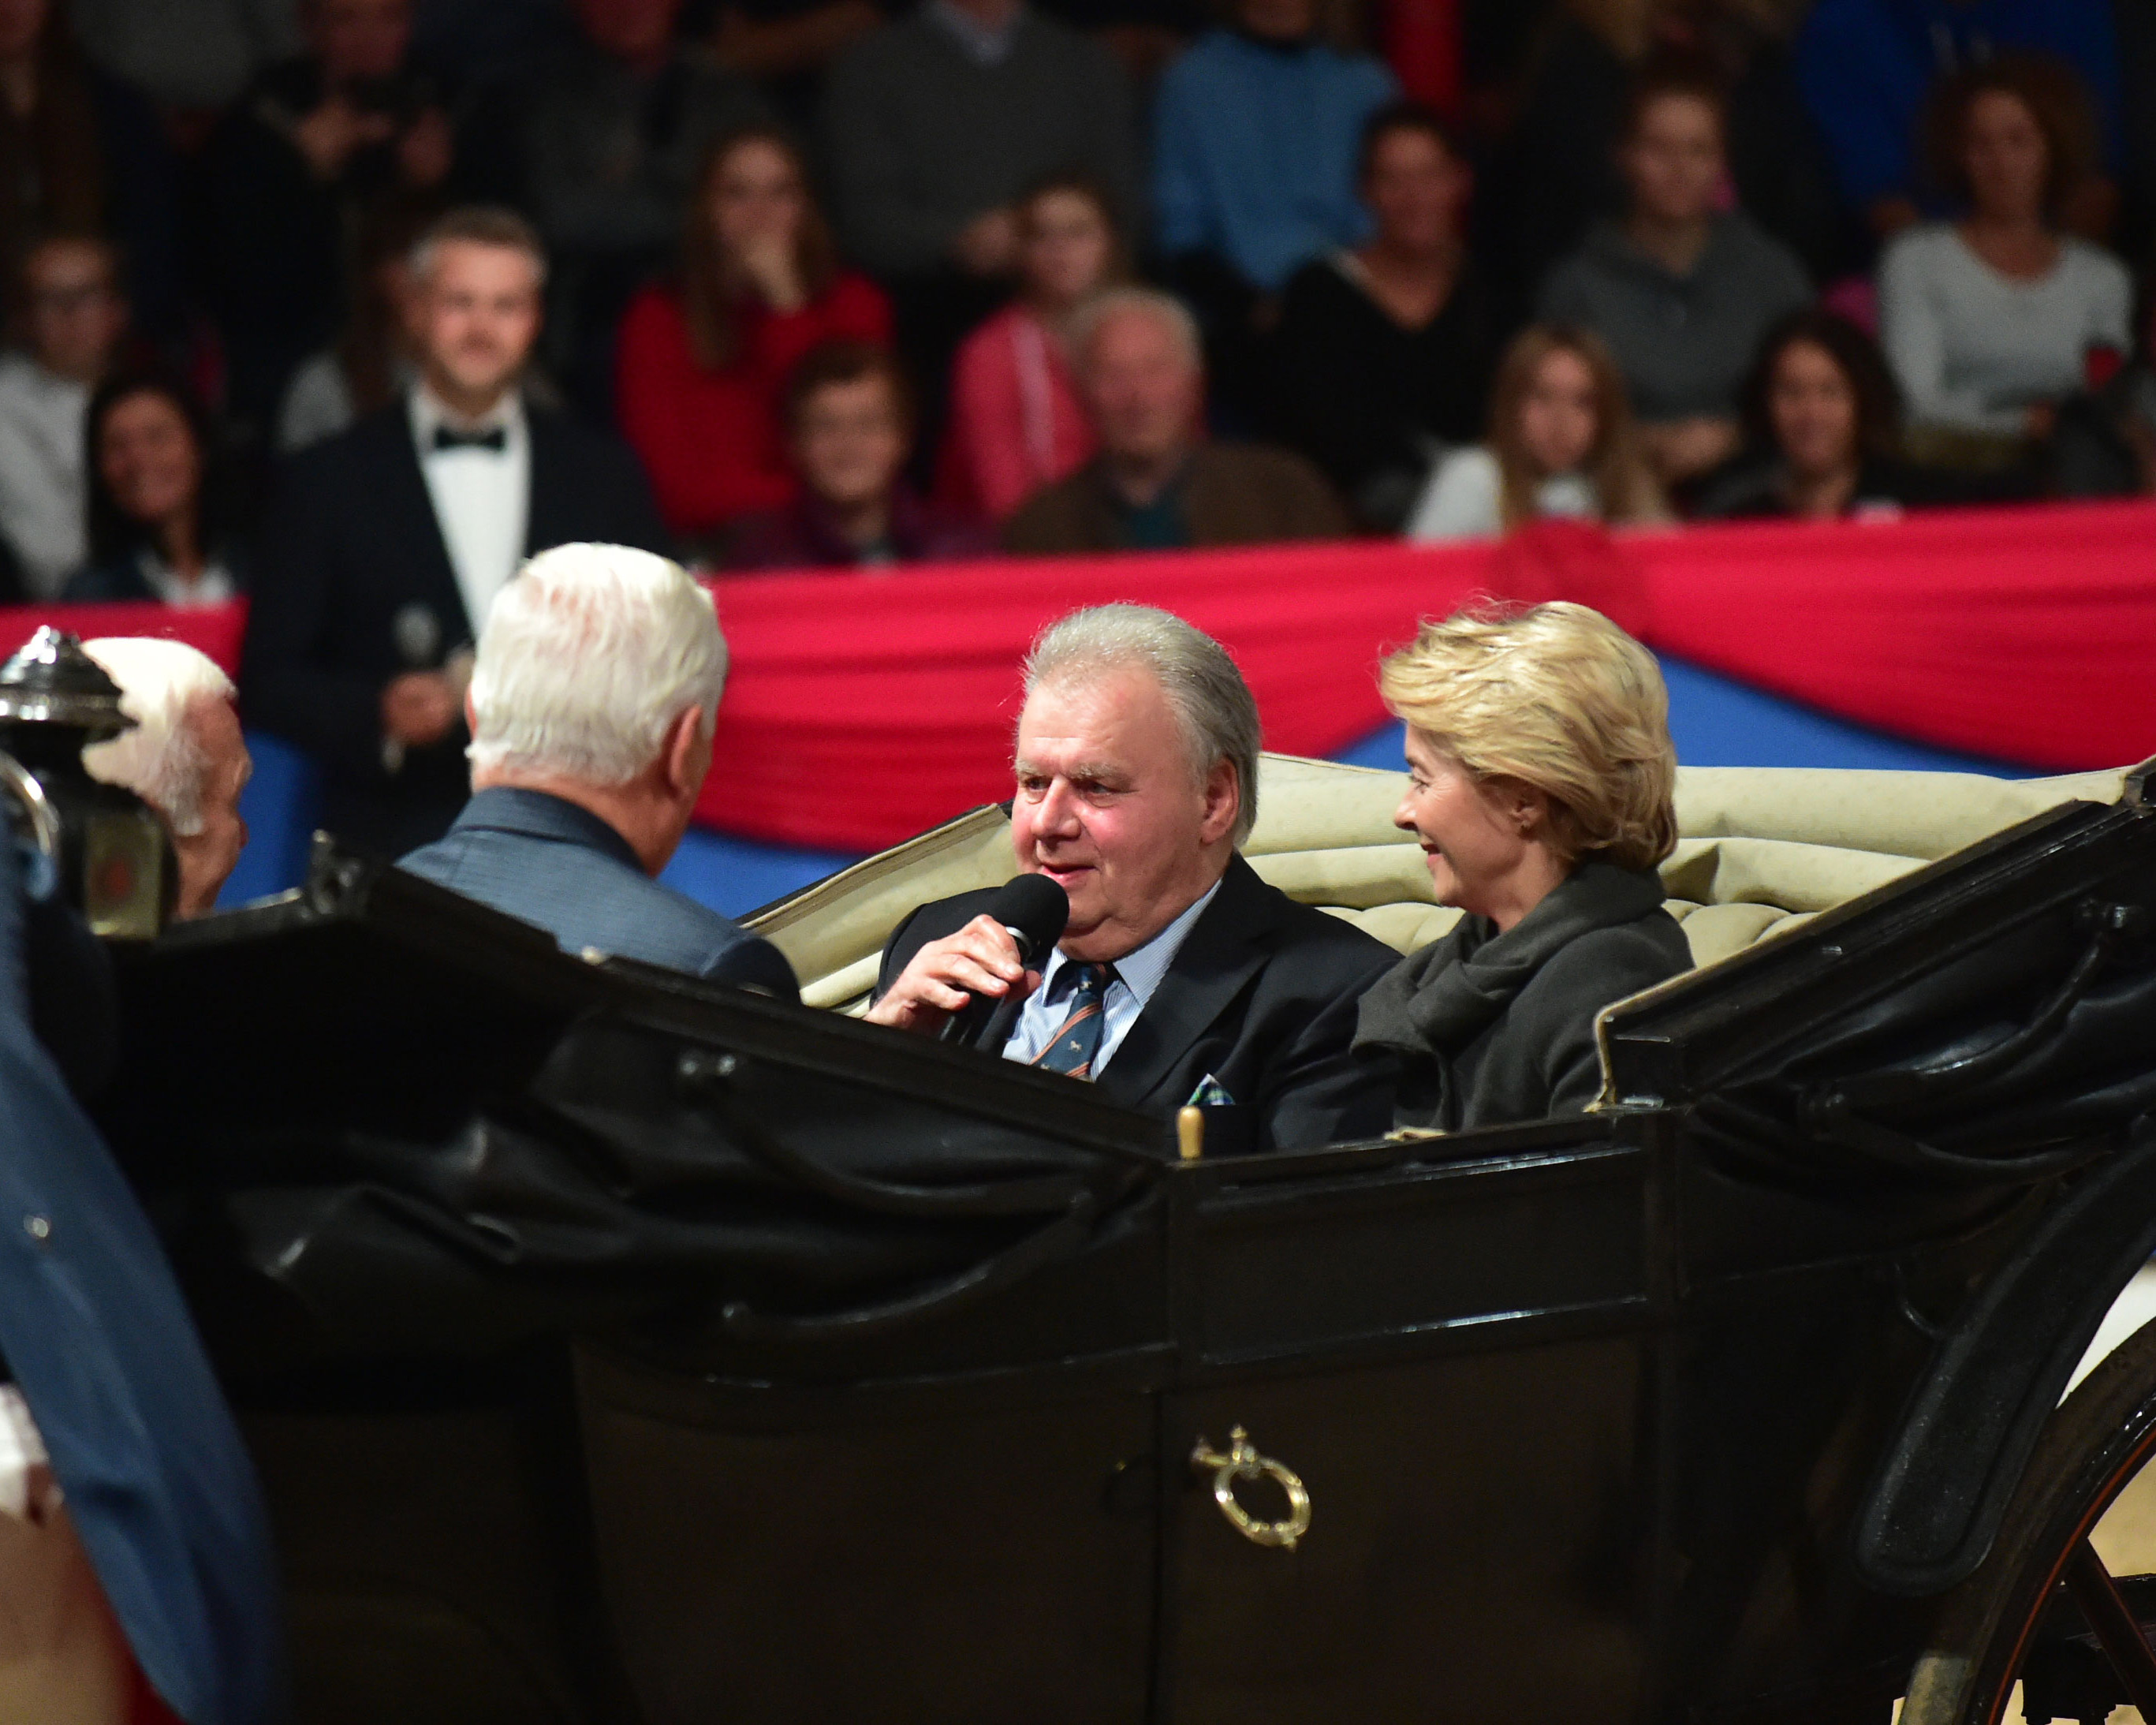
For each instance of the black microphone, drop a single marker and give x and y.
(1033, 910)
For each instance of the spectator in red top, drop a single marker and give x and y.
(704, 359)
(1017, 420)
(850, 420)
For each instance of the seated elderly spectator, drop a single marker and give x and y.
(1385, 351)
(1540, 781)
(1824, 422)
(159, 514)
(82, 153)
(1869, 67)
(315, 141)
(1181, 977)
(76, 318)
(611, 130)
(1017, 420)
(1255, 131)
(935, 125)
(1988, 322)
(849, 422)
(592, 705)
(185, 758)
(370, 363)
(1562, 446)
(1156, 484)
(704, 359)
(1680, 291)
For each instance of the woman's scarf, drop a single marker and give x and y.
(1432, 1004)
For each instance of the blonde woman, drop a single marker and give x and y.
(1541, 775)
(1561, 443)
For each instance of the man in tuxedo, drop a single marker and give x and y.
(591, 709)
(1181, 976)
(386, 544)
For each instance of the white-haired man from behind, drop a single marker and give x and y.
(185, 758)
(591, 709)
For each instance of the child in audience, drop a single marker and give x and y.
(157, 530)
(1990, 321)
(1562, 444)
(850, 423)
(1017, 421)
(705, 358)
(1824, 421)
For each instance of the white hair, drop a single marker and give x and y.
(1151, 302)
(1213, 705)
(588, 657)
(161, 759)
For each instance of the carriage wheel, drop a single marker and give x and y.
(2059, 1604)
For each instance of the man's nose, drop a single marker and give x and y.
(1059, 811)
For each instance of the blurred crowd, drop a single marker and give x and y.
(861, 286)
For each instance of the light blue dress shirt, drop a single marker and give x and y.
(1137, 975)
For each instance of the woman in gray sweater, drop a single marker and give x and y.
(1988, 322)
(1540, 788)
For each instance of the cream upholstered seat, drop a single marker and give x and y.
(1763, 850)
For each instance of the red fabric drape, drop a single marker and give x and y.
(865, 708)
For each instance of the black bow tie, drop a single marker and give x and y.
(448, 437)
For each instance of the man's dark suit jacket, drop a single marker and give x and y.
(547, 862)
(99, 1341)
(352, 558)
(1261, 995)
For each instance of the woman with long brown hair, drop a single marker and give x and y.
(1561, 443)
(704, 357)
(1988, 322)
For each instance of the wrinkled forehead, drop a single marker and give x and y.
(1099, 715)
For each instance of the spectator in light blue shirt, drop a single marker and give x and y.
(1866, 68)
(1254, 156)
(1255, 145)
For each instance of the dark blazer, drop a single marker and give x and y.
(1230, 494)
(1488, 1029)
(561, 868)
(1261, 995)
(98, 1338)
(351, 557)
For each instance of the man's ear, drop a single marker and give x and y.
(472, 712)
(686, 756)
(1224, 803)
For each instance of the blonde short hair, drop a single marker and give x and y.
(1560, 698)
(588, 657)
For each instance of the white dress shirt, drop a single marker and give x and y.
(41, 475)
(1464, 499)
(1137, 976)
(214, 587)
(482, 498)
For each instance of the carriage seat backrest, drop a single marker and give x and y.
(1763, 850)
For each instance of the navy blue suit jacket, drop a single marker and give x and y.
(350, 554)
(561, 868)
(100, 1342)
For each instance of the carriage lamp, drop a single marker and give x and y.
(114, 860)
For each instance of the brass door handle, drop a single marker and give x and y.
(1242, 1462)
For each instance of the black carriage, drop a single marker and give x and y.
(618, 1349)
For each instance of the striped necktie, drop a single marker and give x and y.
(1073, 1048)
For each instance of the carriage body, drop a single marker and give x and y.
(615, 1347)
